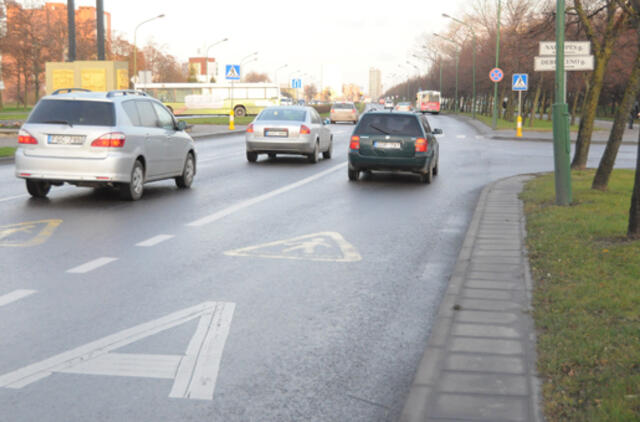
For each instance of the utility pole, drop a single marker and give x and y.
(100, 28)
(561, 139)
(71, 23)
(494, 122)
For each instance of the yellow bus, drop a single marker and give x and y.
(214, 98)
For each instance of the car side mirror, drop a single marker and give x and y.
(181, 125)
(437, 131)
(327, 121)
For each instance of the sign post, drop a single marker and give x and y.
(519, 82)
(232, 73)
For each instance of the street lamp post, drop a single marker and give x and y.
(135, 46)
(417, 70)
(275, 75)
(474, 41)
(494, 122)
(408, 78)
(207, 56)
(457, 66)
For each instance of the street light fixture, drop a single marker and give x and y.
(275, 75)
(457, 64)
(207, 56)
(473, 36)
(135, 47)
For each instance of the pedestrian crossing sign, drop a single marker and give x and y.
(520, 82)
(232, 72)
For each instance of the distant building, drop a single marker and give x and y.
(203, 72)
(375, 83)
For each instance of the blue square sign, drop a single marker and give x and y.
(520, 82)
(232, 72)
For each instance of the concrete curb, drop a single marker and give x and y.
(429, 398)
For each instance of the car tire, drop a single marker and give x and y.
(353, 174)
(333, 122)
(435, 169)
(252, 156)
(38, 188)
(239, 111)
(427, 177)
(185, 180)
(133, 190)
(272, 155)
(313, 157)
(327, 154)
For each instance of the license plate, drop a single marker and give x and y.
(66, 139)
(276, 133)
(387, 145)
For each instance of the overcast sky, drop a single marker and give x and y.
(351, 36)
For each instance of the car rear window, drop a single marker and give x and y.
(283, 115)
(74, 112)
(388, 124)
(343, 106)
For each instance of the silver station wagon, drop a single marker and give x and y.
(119, 139)
(289, 130)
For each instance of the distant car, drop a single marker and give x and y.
(388, 104)
(289, 130)
(286, 101)
(394, 142)
(381, 101)
(404, 106)
(343, 112)
(103, 139)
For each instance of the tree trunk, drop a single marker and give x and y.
(511, 106)
(536, 98)
(633, 230)
(543, 105)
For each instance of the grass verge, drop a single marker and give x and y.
(586, 299)
(502, 124)
(7, 151)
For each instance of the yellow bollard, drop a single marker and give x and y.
(232, 125)
(519, 128)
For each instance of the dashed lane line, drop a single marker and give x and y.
(155, 240)
(15, 296)
(11, 198)
(461, 136)
(249, 202)
(91, 265)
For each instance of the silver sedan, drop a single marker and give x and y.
(289, 130)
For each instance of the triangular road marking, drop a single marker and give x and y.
(520, 83)
(31, 233)
(194, 373)
(323, 246)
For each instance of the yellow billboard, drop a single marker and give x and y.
(96, 75)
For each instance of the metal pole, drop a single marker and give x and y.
(457, 63)
(440, 61)
(100, 28)
(561, 139)
(494, 122)
(71, 23)
(473, 106)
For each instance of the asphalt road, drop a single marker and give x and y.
(329, 326)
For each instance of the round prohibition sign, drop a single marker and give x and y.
(496, 74)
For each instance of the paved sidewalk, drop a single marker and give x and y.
(480, 360)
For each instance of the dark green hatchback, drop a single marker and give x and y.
(390, 141)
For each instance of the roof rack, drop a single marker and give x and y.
(67, 90)
(123, 92)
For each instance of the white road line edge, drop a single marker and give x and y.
(249, 202)
(155, 240)
(11, 198)
(91, 265)
(15, 295)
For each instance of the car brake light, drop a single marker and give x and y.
(304, 130)
(25, 137)
(355, 142)
(110, 140)
(421, 145)
(250, 128)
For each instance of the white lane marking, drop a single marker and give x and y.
(194, 373)
(11, 198)
(249, 202)
(15, 295)
(155, 240)
(461, 136)
(91, 265)
(479, 137)
(324, 246)
(217, 157)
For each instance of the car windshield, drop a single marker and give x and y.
(388, 124)
(74, 112)
(281, 114)
(343, 106)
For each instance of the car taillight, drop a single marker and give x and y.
(304, 130)
(421, 145)
(250, 128)
(355, 142)
(110, 140)
(25, 137)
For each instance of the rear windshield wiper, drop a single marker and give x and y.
(59, 121)
(378, 129)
